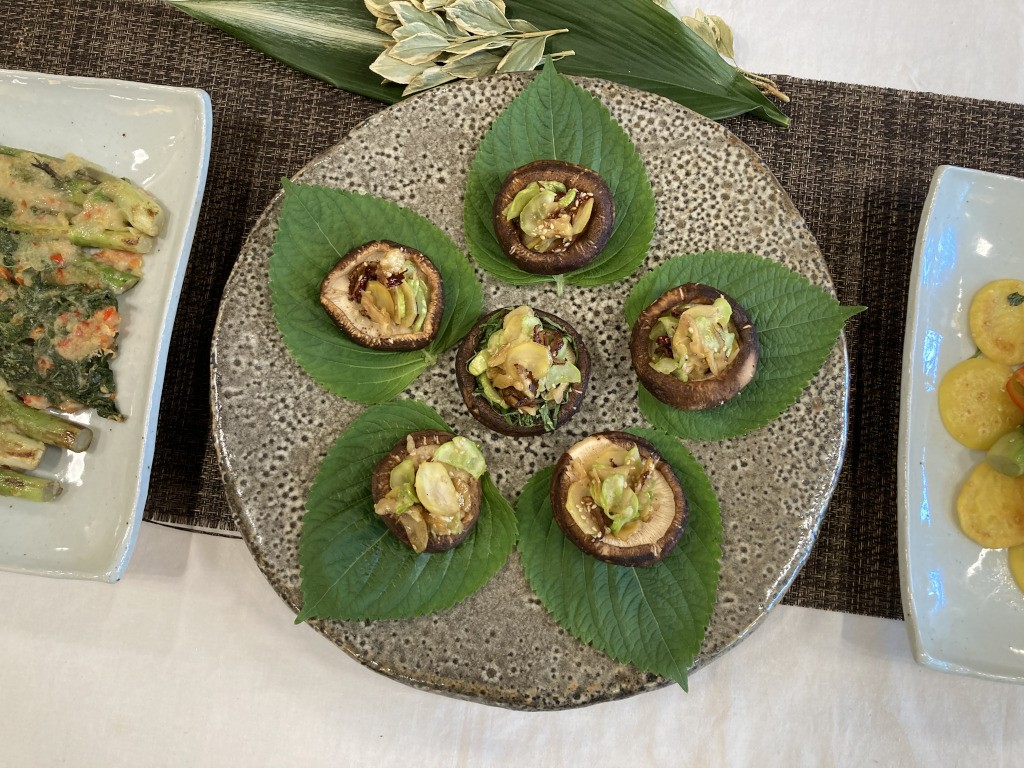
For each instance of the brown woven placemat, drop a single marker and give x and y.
(857, 162)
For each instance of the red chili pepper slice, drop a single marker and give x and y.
(1015, 388)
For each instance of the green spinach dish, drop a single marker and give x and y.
(72, 238)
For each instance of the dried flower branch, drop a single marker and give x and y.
(437, 41)
(715, 32)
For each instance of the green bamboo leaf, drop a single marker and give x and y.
(556, 119)
(655, 617)
(335, 41)
(317, 227)
(797, 325)
(352, 567)
(633, 42)
(658, 54)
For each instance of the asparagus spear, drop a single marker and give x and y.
(21, 255)
(121, 239)
(18, 451)
(86, 271)
(139, 207)
(28, 487)
(43, 426)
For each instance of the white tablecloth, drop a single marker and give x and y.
(193, 660)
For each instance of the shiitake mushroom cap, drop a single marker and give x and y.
(701, 394)
(380, 485)
(348, 316)
(649, 545)
(483, 411)
(585, 248)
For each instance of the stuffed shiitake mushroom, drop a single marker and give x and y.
(522, 371)
(552, 216)
(694, 347)
(427, 490)
(385, 296)
(616, 499)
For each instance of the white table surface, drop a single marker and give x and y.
(193, 660)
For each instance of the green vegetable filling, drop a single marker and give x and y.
(391, 294)
(428, 492)
(550, 216)
(525, 368)
(697, 343)
(616, 495)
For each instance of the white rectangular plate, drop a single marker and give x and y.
(963, 611)
(159, 137)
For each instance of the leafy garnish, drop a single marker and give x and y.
(797, 325)
(318, 226)
(553, 119)
(633, 42)
(655, 617)
(547, 412)
(1015, 299)
(718, 35)
(353, 567)
(454, 39)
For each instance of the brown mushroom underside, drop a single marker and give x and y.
(599, 547)
(585, 248)
(482, 410)
(397, 342)
(702, 394)
(380, 485)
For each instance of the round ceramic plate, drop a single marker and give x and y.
(273, 423)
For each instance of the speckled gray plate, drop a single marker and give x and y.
(274, 423)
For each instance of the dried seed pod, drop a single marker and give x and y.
(695, 394)
(643, 542)
(380, 303)
(570, 244)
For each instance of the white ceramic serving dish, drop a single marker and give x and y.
(963, 611)
(159, 137)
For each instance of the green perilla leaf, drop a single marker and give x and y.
(653, 617)
(353, 567)
(797, 325)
